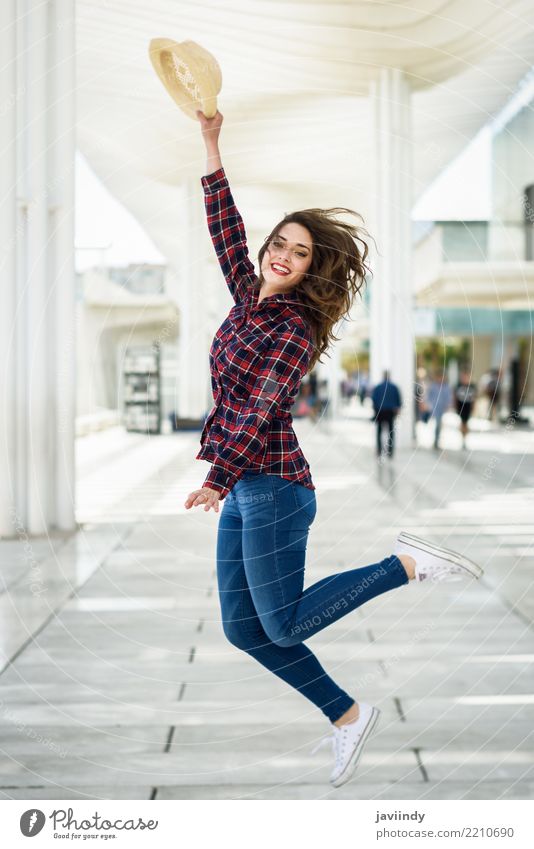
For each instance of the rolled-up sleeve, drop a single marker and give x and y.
(277, 382)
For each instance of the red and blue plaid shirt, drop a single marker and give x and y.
(257, 360)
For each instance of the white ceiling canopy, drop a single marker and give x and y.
(298, 129)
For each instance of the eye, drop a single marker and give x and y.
(303, 255)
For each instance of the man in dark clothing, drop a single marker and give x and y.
(386, 404)
(465, 396)
(493, 393)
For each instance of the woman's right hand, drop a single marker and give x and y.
(211, 127)
(206, 496)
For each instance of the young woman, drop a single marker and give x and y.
(311, 268)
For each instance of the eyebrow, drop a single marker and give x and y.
(298, 244)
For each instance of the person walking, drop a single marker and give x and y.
(465, 395)
(312, 265)
(422, 413)
(493, 393)
(363, 386)
(439, 400)
(323, 397)
(387, 402)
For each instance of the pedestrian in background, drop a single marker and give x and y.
(352, 387)
(421, 392)
(302, 407)
(323, 397)
(439, 400)
(387, 402)
(465, 395)
(363, 387)
(493, 393)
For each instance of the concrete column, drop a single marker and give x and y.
(193, 345)
(8, 263)
(392, 334)
(62, 153)
(36, 291)
(20, 460)
(36, 374)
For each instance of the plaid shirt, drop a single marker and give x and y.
(257, 360)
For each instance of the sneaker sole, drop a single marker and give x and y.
(452, 556)
(350, 769)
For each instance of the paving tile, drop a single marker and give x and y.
(493, 763)
(131, 687)
(81, 739)
(355, 789)
(228, 766)
(98, 791)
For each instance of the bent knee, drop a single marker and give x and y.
(236, 635)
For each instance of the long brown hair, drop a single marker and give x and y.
(336, 274)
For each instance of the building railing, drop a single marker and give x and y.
(478, 241)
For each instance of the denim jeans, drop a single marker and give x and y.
(385, 419)
(266, 612)
(437, 431)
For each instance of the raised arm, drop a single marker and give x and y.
(224, 221)
(211, 130)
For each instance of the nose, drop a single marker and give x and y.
(283, 252)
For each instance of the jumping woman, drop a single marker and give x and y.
(312, 266)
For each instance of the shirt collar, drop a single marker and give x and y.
(292, 297)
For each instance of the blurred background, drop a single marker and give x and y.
(421, 119)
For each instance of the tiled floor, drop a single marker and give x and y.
(117, 681)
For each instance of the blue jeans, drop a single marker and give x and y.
(437, 431)
(261, 553)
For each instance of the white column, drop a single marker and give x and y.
(193, 343)
(36, 280)
(36, 336)
(20, 237)
(392, 335)
(8, 265)
(61, 217)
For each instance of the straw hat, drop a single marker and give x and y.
(190, 74)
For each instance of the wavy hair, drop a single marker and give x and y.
(336, 274)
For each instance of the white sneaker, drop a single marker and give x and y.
(347, 743)
(435, 563)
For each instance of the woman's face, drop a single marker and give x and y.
(288, 257)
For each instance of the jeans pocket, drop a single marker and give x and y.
(305, 501)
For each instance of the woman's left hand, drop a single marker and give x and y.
(206, 496)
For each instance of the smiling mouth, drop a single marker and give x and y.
(281, 270)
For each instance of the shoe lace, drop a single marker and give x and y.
(447, 574)
(329, 740)
(337, 742)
